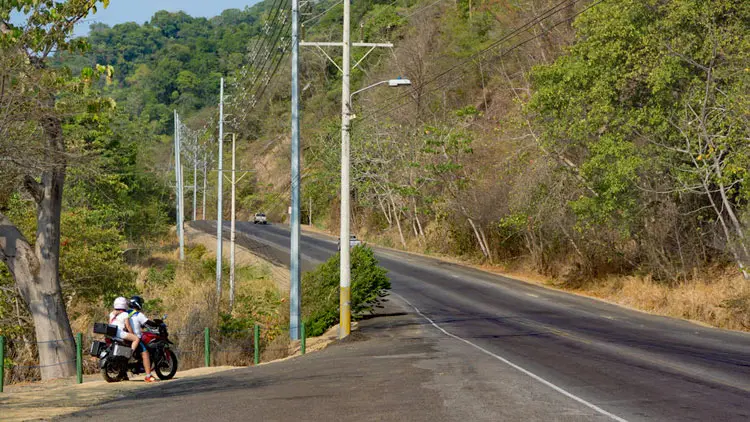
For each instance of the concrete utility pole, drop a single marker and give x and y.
(178, 179)
(205, 171)
(233, 219)
(294, 264)
(345, 303)
(232, 232)
(219, 189)
(345, 68)
(195, 181)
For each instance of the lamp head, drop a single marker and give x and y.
(399, 82)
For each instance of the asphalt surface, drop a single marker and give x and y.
(462, 344)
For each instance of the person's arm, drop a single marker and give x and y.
(127, 325)
(145, 321)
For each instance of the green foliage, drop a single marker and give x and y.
(380, 22)
(238, 327)
(320, 289)
(174, 60)
(91, 262)
(650, 98)
(161, 277)
(49, 24)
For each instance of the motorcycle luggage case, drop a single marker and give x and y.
(97, 347)
(120, 350)
(106, 329)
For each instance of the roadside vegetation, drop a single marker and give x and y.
(603, 150)
(320, 290)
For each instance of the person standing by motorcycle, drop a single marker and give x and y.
(137, 321)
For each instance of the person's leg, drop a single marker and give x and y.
(146, 362)
(133, 339)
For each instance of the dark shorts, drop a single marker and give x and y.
(141, 347)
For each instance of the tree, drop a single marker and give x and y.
(35, 99)
(650, 105)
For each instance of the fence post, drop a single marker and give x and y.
(2, 362)
(256, 343)
(79, 357)
(303, 339)
(207, 341)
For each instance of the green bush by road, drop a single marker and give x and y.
(320, 289)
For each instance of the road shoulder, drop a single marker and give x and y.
(395, 367)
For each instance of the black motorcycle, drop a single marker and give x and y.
(116, 357)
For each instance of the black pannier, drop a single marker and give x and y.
(97, 347)
(106, 329)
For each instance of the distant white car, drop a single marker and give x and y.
(260, 218)
(353, 241)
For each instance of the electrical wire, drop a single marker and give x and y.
(323, 12)
(545, 15)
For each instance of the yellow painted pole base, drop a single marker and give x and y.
(345, 315)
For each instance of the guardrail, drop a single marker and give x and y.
(210, 344)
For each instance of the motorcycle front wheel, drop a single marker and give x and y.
(166, 368)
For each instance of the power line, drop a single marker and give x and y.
(539, 18)
(256, 87)
(323, 12)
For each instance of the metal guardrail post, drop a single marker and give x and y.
(79, 357)
(256, 343)
(207, 341)
(2, 362)
(303, 338)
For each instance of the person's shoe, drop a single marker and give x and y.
(150, 378)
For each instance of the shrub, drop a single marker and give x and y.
(320, 289)
(163, 277)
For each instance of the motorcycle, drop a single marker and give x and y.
(116, 357)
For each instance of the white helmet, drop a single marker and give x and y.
(121, 304)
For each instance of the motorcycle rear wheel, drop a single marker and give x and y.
(166, 368)
(112, 373)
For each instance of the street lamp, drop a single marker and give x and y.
(391, 83)
(345, 311)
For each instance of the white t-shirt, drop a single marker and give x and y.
(136, 322)
(119, 321)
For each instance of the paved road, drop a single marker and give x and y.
(477, 346)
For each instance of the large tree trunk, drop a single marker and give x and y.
(31, 271)
(36, 269)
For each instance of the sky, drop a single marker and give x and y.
(140, 11)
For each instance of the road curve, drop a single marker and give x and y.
(629, 365)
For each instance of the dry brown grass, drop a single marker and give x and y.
(720, 300)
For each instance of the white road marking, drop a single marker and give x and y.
(513, 365)
(532, 295)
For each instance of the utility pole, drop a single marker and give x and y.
(233, 221)
(219, 210)
(345, 68)
(294, 265)
(178, 180)
(345, 303)
(232, 232)
(195, 180)
(205, 170)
